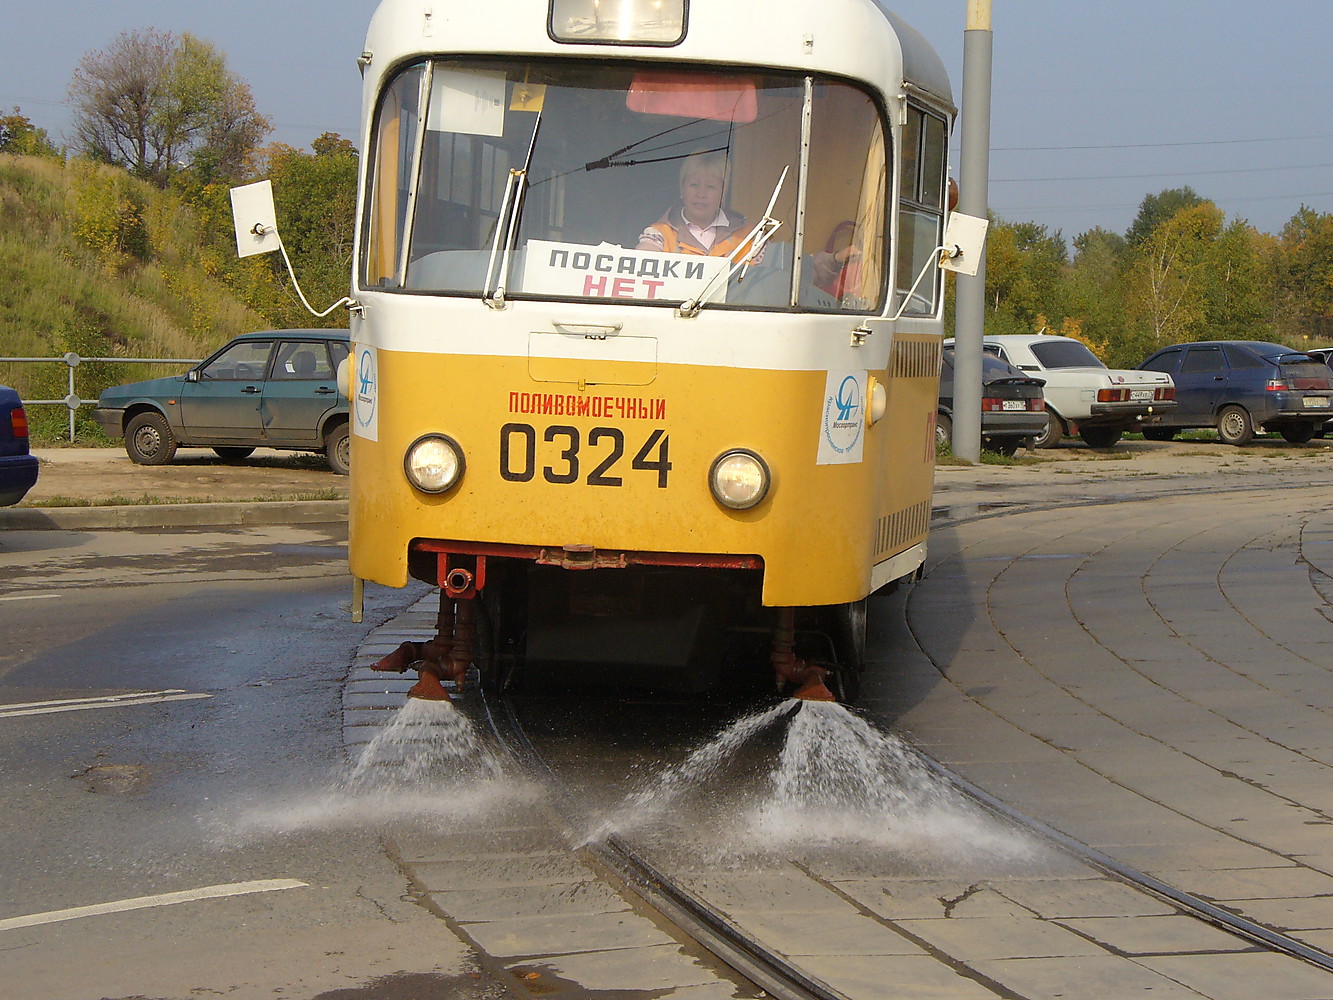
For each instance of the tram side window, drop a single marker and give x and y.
(845, 213)
(393, 170)
(921, 210)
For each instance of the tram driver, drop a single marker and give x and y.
(698, 224)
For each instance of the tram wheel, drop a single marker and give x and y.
(849, 642)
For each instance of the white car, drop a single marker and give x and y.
(1083, 396)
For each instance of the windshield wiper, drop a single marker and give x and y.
(743, 256)
(507, 223)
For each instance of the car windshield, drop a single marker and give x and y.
(1065, 354)
(578, 180)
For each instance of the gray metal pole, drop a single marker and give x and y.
(973, 199)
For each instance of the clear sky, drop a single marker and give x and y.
(1096, 102)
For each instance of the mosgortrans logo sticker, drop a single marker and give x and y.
(841, 436)
(366, 392)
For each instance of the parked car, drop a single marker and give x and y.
(1240, 385)
(1013, 411)
(18, 468)
(274, 389)
(1083, 396)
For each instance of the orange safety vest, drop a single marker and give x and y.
(676, 238)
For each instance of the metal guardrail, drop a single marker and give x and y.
(72, 400)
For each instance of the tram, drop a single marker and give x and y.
(646, 327)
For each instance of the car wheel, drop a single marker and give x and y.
(1234, 425)
(148, 439)
(338, 449)
(943, 431)
(228, 454)
(1100, 437)
(1298, 433)
(1159, 433)
(1053, 433)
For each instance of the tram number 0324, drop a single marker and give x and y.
(569, 453)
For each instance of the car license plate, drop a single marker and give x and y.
(1015, 404)
(1316, 401)
(1140, 394)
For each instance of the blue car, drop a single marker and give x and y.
(273, 389)
(1238, 386)
(18, 469)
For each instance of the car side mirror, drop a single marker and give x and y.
(192, 375)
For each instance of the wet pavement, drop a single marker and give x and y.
(1141, 658)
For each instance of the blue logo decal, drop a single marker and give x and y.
(367, 383)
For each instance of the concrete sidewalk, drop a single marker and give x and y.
(100, 488)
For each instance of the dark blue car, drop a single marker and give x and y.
(1240, 385)
(18, 469)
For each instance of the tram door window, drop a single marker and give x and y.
(921, 209)
(592, 155)
(394, 166)
(845, 208)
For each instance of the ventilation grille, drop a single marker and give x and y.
(915, 359)
(901, 527)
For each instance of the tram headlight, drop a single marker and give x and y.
(434, 463)
(739, 479)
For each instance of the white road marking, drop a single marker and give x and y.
(144, 902)
(29, 597)
(106, 701)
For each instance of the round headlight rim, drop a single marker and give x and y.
(453, 446)
(763, 466)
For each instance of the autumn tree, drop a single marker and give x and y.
(154, 103)
(18, 135)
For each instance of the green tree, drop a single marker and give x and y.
(1303, 278)
(1197, 277)
(315, 197)
(1095, 286)
(18, 135)
(153, 103)
(1156, 209)
(1024, 277)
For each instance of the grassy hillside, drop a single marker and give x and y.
(98, 263)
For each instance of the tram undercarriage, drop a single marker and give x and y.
(581, 617)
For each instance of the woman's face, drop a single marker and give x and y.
(701, 196)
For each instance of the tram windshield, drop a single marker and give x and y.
(572, 180)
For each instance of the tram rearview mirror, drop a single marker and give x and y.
(255, 219)
(964, 243)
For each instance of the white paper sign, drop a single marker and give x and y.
(843, 419)
(468, 101)
(608, 271)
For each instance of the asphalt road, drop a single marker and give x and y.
(154, 797)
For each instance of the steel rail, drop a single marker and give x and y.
(703, 924)
(1209, 912)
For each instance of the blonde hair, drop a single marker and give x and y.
(706, 162)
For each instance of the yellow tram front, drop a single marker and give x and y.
(646, 336)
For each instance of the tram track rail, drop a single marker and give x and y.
(705, 925)
(740, 951)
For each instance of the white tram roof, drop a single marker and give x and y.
(861, 39)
